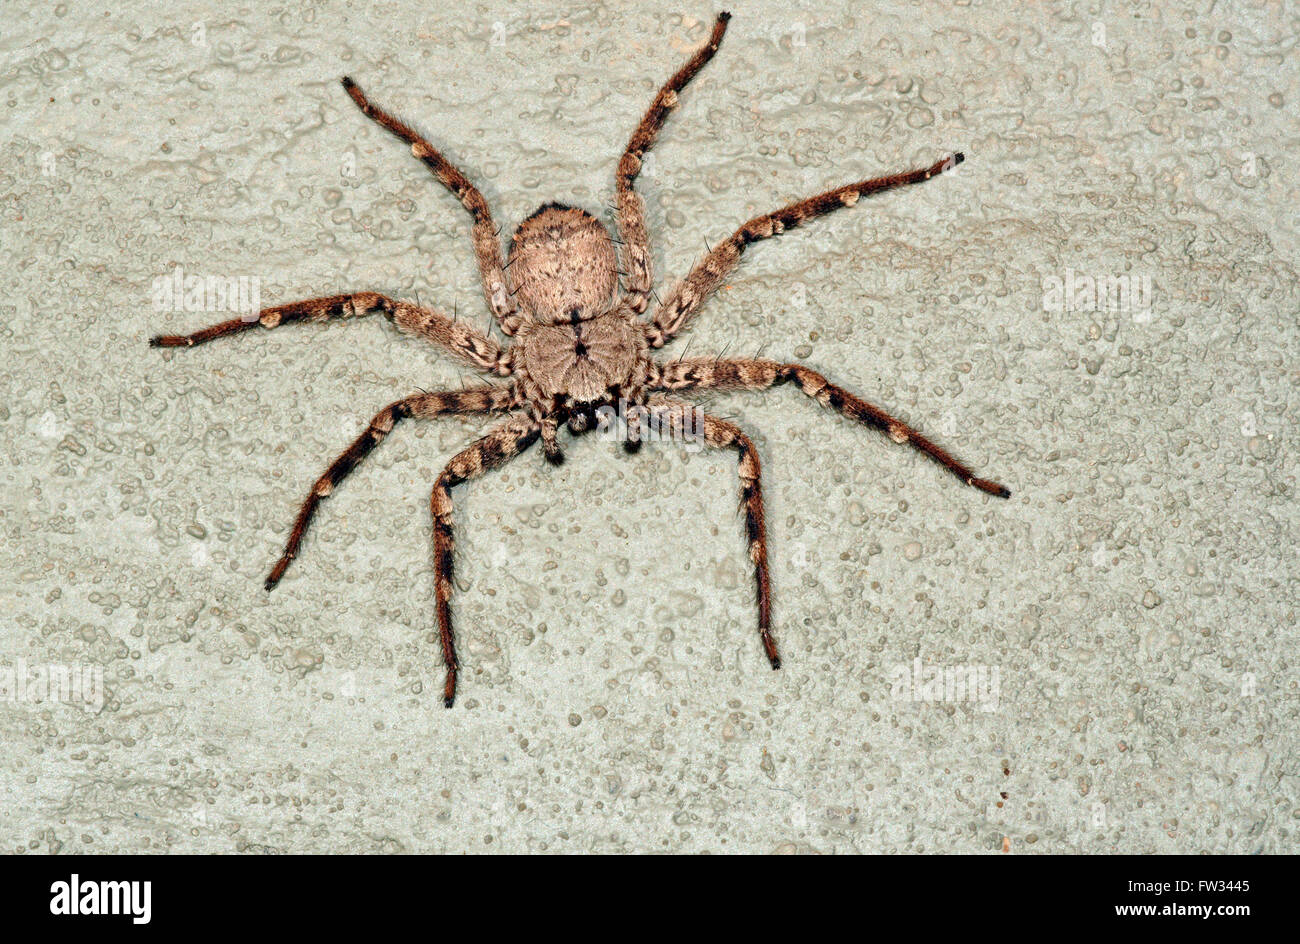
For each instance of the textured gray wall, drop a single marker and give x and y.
(1136, 596)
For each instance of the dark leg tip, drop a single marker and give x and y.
(448, 701)
(990, 488)
(631, 446)
(958, 158)
(348, 83)
(276, 573)
(555, 458)
(724, 16)
(156, 341)
(776, 663)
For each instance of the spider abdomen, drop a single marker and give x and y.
(562, 265)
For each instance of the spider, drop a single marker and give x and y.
(582, 345)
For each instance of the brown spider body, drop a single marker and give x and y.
(579, 348)
(581, 363)
(562, 266)
(581, 344)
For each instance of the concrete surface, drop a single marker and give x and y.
(1129, 613)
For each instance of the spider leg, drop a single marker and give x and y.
(455, 336)
(710, 374)
(681, 302)
(485, 399)
(634, 423)
(631, 209)
(548, 430)
(487, 247)
(502, 442)
(685, 421)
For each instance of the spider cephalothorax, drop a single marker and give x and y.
(581, 343)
